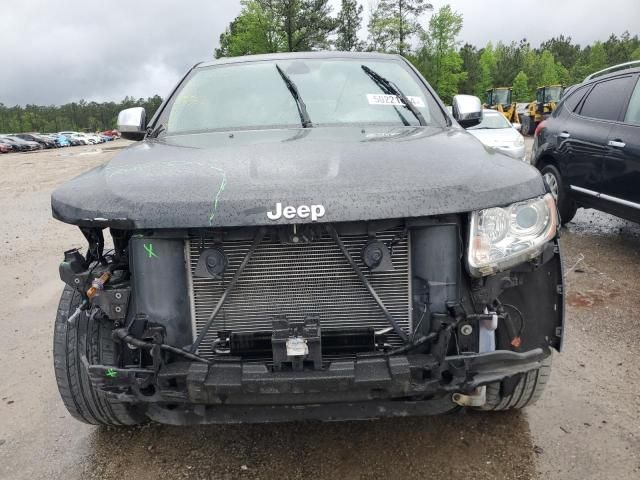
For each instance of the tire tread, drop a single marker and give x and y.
(528, 390)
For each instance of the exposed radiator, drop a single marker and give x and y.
(297, 280)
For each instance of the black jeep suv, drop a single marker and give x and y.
(589, 149)
(306, 235)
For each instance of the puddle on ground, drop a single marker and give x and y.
(589, 298)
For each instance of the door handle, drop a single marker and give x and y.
(564, 135)
(617, 144)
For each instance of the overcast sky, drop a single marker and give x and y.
(53, 52)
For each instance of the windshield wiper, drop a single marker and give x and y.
(302, 108)
(391, 88)
(156, 131)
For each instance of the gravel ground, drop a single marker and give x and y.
(586, 426)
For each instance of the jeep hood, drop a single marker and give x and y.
(234, 179)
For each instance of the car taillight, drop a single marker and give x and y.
(538, 128)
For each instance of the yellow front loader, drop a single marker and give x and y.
(500, 99)
(546, 101)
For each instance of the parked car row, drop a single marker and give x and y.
(26, 142)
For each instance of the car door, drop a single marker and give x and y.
(622, 166)
(583, 140)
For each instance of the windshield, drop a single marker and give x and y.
(334, 92)
(501, 97)
(491, 121)
(552, 94)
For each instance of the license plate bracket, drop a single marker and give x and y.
(296, 346)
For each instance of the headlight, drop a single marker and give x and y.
(501, 238)
(519, 142)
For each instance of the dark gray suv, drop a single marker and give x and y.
(300, 236)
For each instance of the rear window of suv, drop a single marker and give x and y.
(572, 101)
(633, 112)
(606, 99)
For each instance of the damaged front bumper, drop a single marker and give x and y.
(368, 387)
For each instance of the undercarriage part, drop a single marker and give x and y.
(407, 348)
(123, 335)
(296, 345)
(113, 302)
(73, 269)
(97, 284)
(95, 252)
(233, 382)
(487, 340)
(475, 399)
(120, 243)
(372, 409)
(401, 333)
(334, 342)
(74, 317)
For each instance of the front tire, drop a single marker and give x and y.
(527, 391)
(566, 206)
(92, 339)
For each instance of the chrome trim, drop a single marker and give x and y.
(604, 196)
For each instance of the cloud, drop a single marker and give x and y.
(104, 50)
(57, 52)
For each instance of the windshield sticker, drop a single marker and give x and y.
(393, 100)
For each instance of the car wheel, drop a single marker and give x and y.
(526, 392)
(528, 125)
(566, 206)
(91, 339)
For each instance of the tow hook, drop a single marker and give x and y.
(477, 399)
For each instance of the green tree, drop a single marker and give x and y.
(620, 49)
(266, 26)
(521, 92)
(548, 71)
(82, 115)
(349, 22)
(255, 30)
(487, 67)
(380, 29)
(563, 50)
(509, 61)
(394, 22)
(307, 24)
(592, 59)
(438, 58)
(471, 64)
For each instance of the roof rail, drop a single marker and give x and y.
(622, 66)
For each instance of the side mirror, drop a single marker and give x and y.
(132, 123)
(467, 110)
(517, 126)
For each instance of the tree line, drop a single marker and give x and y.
(76, 116)
(428, 38)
